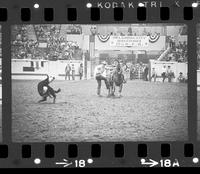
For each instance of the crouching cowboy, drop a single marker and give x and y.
(99, 75)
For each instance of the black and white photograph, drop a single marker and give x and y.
(99, 83)
(198, 81)
(0, 86)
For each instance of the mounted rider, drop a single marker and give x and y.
(100, 74)
(118, 69)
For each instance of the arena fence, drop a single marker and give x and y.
(176, 68)
(29, 69)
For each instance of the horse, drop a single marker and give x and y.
(52, 93)
(116, 79)
(45, 90)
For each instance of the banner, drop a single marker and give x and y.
(129, 41)
(103, 38)
(125, 43)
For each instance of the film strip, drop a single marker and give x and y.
(99, 83)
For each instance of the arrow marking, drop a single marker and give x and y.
(151, 162)
(65, 163)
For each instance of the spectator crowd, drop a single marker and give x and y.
(57, 47)
(178, 51)
(22, 46)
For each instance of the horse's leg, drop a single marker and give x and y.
(108, 86)
(98, 87)
(54, 97)
(120, 90)
(109, 91)
(44, 98)
(113, 89)
(54, 100)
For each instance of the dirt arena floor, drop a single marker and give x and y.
(146, 112)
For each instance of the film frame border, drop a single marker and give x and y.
(83, 17)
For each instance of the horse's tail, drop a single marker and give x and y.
(57, 90)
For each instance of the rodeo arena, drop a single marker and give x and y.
(0, 87)
(116, 82)
(198, 80)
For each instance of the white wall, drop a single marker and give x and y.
(54, 68)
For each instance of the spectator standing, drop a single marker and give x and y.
(126, 73)
(146, 71)
(172, 43)
(181, 78)
(154, 74)
(170, 74)
(164, 74)
(132, 69)
(67, 72)
(73, 72)
(80, 70)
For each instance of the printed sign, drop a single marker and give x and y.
(129, 41)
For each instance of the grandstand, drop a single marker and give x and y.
(176, 51)
(50, 42)
(91, 44)
(47, 42)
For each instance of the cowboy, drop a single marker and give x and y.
(126, 72)
(132, 71)
(170, 74)
(80, 70)
(67, 71)
(181, 78)
(154, 74)
(100, 74)
(73, 72)
(145, 74)
(164, 73)
(119, 70)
